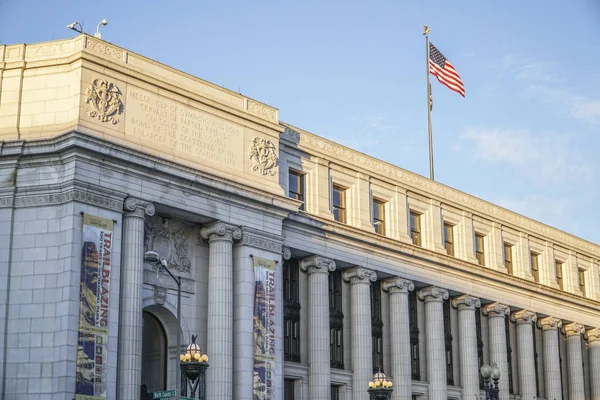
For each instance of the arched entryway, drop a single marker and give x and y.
(154, 354)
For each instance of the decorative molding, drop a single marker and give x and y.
(573, 329)
(433, 293)
(172, 244)
(523, 317)
(434, 189)
(162, 279)
(317, 264)
(549, 323)
(49, 49)
(221, 231)
(398, 285)
(286, 253)
(47, 199)
(258, 242)
(104, 49)
(466, 302)
(359, 275)
(592, 335)
(104, 100)
(262, 111)
(263, 155)
(138, 208)
(160, 294)
(495, 310)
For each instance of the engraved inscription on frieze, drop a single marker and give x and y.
(168, 124)
(169, 241)
(103, 101)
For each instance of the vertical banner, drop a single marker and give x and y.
(264, 328)
(94, 296)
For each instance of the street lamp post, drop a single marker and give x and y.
(380, 388)
(193, 365)
(493, 372)
(152, 257)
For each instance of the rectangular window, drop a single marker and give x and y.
(339, 203)
(414, 335)
(291, 310)
(535, 267)
(535, 359)
(581, 275)
(336, 320)
(415, 228)
(376, 327)
(296, 186)
(479, 346)
(448, 343)
(335, 392)
(288, 389)
(379, 216)
(508, 258)
(511, 388)
(479, 249)
(559, 274)
(449, 239)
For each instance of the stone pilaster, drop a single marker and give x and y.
(467, 341)
(129, 374)
(593, 338)
(552, 376)
(318, 269)
(525, 352)
(496, 314)
(574, 360)
(219, 340)
(360, 310)
(398, 289)
(436, 345)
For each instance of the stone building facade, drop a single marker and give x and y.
(377, 268)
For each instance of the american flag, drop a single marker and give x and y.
(444, 71)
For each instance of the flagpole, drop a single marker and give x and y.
(429, 102)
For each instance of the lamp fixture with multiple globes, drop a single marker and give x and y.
(380, 388)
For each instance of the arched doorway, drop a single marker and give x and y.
(154, 354)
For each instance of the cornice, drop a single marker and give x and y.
(260, 240)
(387, 172)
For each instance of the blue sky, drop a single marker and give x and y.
(525, 137)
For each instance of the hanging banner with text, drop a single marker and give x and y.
(96, 256)
(264, 328)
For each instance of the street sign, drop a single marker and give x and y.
(164, 394)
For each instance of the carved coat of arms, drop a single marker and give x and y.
(104, 101)
(170, 243)
(263, 155)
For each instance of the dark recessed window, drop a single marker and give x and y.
(415, 228)
(336, 320)
(335, 392)
(379, 216)
(480, 249)
(508, 258)
(511, 388)
(448, 344)
(449, 239)
(296, 187)
(376, 327)
(288, 389)
(479, 346)
(291, 310)
(414, 336)
(339, 203)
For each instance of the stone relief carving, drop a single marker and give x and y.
(171, 243)
(160, 294)
(104, 101)
(102, 48)
(261, 110)
(262, 154)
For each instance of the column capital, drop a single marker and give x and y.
(495, 310)
(359, 275)
(398, 285)
(286, 253)
(138, 208)
(549, 323)
(592, 335)
(573, 329)
(523, 317)
(317, 264)
(220, 230)
(433, 293)
(466, 302)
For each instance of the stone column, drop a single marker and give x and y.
(496, 314)
(436, 344)
(467, 341)
(574, 361)
(360, 310)
(319, 369)
(552, 376)
(525, 352)
(593, 338)
(129, 359)
(219, 339)
(398, 289)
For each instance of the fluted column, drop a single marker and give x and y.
(360, 319)
(219, 339)
(593, 338)
(525, 352)
(552, 376)
(398, 289)
(574, 361)
(496, 314)
(319, 371)
(467, 342)
(436, 344)
(129, 374)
